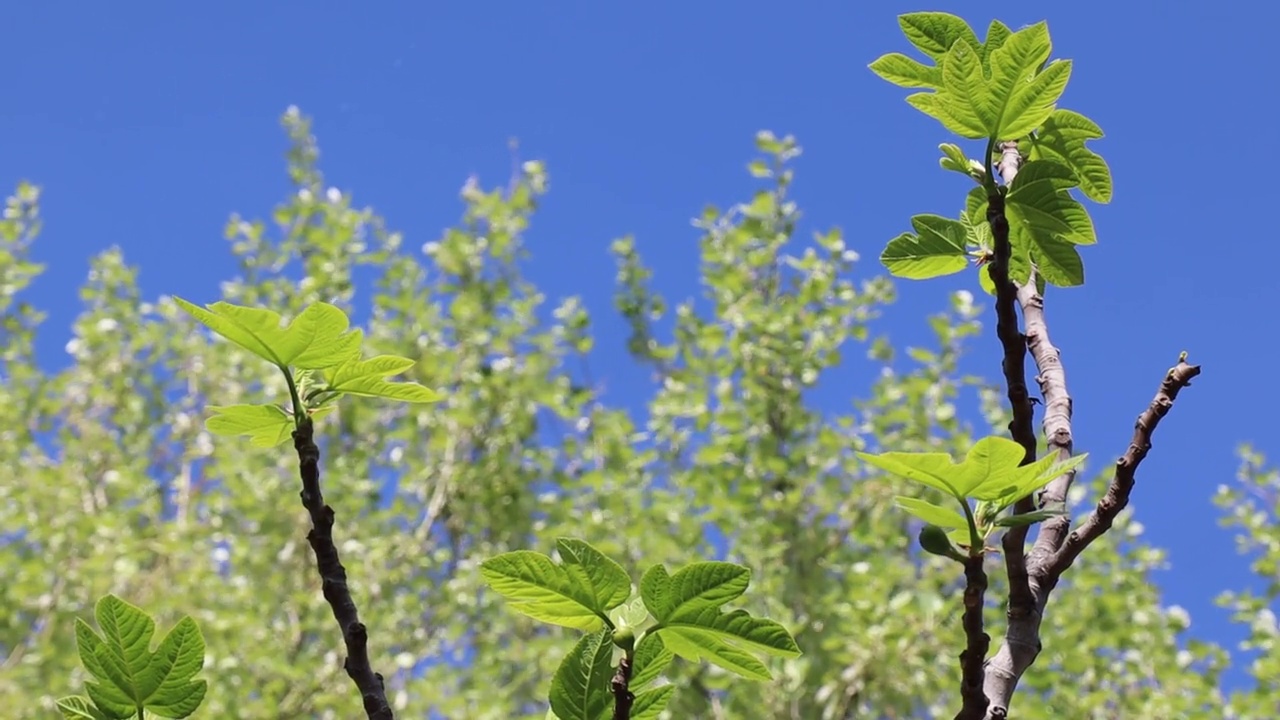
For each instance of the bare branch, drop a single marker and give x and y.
(1117, 496)
(1022, 638)
(978, 641)
(334, 578)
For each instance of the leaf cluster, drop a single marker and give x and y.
(990, 474)
(320, 359)
(1003, 89)
(677, 614)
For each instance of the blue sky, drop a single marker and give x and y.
(148, 123)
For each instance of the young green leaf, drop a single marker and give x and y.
(938, 249)
(1039, 198)
(266, 425)
(580, 687)
(368, 378)
(317, 337)
(990, 471)
(692, 625)
(632, 614)
(650, 659)
(593, 569)
(932, 514)
(1021, 96)
(906, 72)
(649, 704)
(968, 108)
(930, 469)
(1029, 518)
(997, 34)
(576, 594)
(954, 159)
(1062, 139)
(131, 677)
(933, 33)
(78, 707)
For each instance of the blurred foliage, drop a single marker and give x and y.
(112, 485)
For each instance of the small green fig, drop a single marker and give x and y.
(624, 637)
(934, 540)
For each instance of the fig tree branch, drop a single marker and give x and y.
(1022, 638)
(334, 578)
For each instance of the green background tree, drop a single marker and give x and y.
(116, 487)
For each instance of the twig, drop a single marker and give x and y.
(978, 641)
(334, 578)
(622, 695)
(1022, 638)
(1117, 496)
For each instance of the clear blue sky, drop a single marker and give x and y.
(147, 123)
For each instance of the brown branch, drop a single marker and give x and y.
(334, 578)
(1021, 428)
(1117, 496)
(978, 641)
(622, 695)
(1022, 638)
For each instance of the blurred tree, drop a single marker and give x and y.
(111, 484)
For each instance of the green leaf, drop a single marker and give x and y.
(1062, 139)
(906, 72)
(931, 469)
(266, 425)
(965, 100)
(1032, 103)
(997, 34)
(632, 614)
(1044, 217)
(78, 707)
(577, 594)
(1058, 263)
(368, 378)
(316, 338)
(1019, 97)
(954, 159)
(131, 676)
(651, 658)
(932, 514)
(649, 704)
(177, 660)
(1030, 518)
(608, 581)
(696, 645)
(938, 249)
(691, 624)
(580, 687)
(934, 33)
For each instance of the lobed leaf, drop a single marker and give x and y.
(368, 378)
(939, 249)
(266, 425)
(317, 338)
(1062, 139)
(932, 514)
